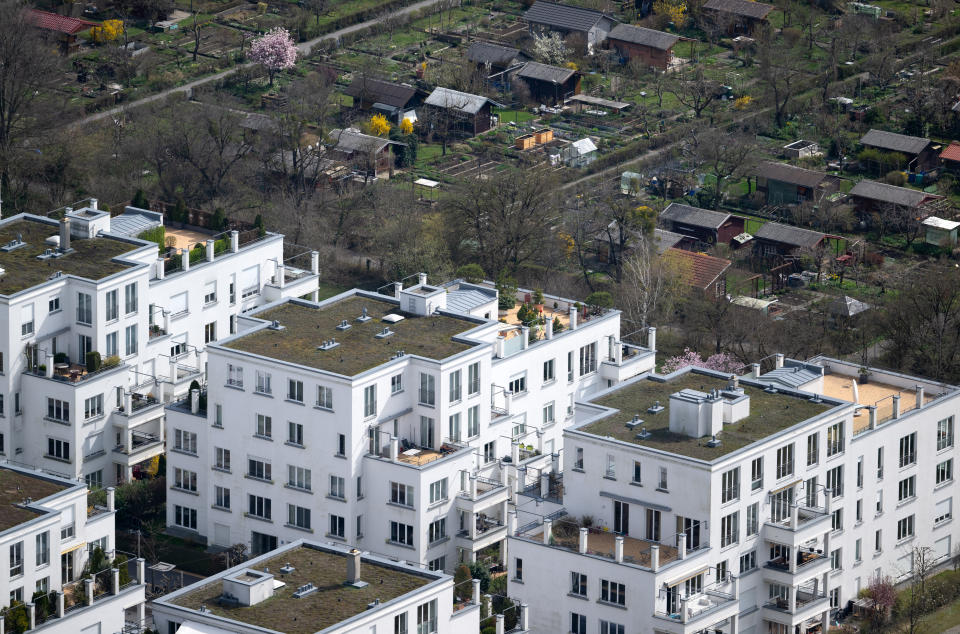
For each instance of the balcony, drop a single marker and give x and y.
(801, 526)
(141, 446)
(566, 533)
(487, 531)
(74, 373)
(483, 494)
(294, 283)
(800, 606)
(139, 409)
(809, 564)
(626, 362)
(701, 611)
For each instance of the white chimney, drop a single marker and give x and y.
(651, 338)
(755, 370)
(778, 360)
(919, 396)
(210, 250)
(94, 204)
(422, 278)
(185, 259)
(234, 241)
(573, 318)
(64, 235)
(353, 566)
(548, 328)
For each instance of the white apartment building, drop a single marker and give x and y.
(702, 502)
(86, 283)
(47, 531)
(306, 587)
(405, 425)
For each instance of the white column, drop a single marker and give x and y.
(315, 262)
(185, 259)
(116, 580)
(548, 328)
(896, 406)
(475, 591)
(422, 278)
(524, 617)
(234, 241)
(584, 537)
(60, 605)
(394, 448)
(32, 612)
(755, 370)
(160, 268)
(778, 360)
(49, 364)
(525, 333)
(651, 338)
(473, 487)
(547, 532)
(618, 549)
(500, 624)
(88, 586)
(111, 499)
(210, 248)
(573, 318)
(654, 557)
(919, 396)
(141, 570)
(281, 275)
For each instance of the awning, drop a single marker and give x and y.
(785, 486)
(394, 416)
(622, 498)
(73, 548)
(701, 571)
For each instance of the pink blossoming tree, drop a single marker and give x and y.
(722, 361)
(275, 51)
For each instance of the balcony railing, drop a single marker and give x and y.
(484, 525)
(138, 442)
(804, 598)
(805, 516)
(804, 558)
(74, 372)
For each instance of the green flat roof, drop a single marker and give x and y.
(307, 327)
(15, 488)
(91, 258)
(332, 603)
(769, 414)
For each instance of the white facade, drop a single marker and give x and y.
(429, 472)
(48, 551)
(772, 538)
(157, 324)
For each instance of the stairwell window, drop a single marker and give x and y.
(456, 389)
(437, 530)
(835, 439)
(370, 401)
(662, 485)
(26, 320)
(908, 450)
(945, 433)
(756, 474)
(84, 308)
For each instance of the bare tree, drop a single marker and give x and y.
(651, 283)
(918, 602)
(722, 154)
(695, 90)
(779, 72)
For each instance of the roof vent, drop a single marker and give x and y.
(2, 270)
(635, 422)
(398, 354)
(392, 318)
(386, 332)
(656, 408)
(713, 442)
(364, 317)
(54, 276)
(344, 325)
(816, 399)
(643, 434)
(287, 569)
(275, 325)
(770, 389)
(304, 590)
(373, 604)
(13, 245)
(328, 345)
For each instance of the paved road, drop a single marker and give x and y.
(304, 49)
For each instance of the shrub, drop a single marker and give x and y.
(155, 234)
(111, 361)
(557, 325)
(60, 357)
(472, 273)
(93, 361)
(480, 571)
(140, 200)
(507, 290)
(600, 299)
(538, 296)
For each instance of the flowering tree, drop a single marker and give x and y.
(722, 362)
(274, 50)
(379, 125)
(884, 595)
(406, 126)
(550, 48)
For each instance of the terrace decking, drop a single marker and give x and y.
(881, 395)
(603, 543)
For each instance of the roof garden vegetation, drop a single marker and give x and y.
(769, 414)
(15, 488)
(333, 602)
(305, 328)
(91, 258)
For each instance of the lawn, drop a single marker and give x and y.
(427, 153)
(185, 555)
(517, 116)
(329, 290)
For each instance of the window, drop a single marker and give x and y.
(16, 559)
(113, 306)
(548, 371)
(210, 292)
(178, 349)
(748, 561)
(859, 511)
(53, 305)
(325, 397)
(455, 427)
(84, 308)
(112, 349)
(438, 491)
(218, 415)
(259, 469)
(249, 282)
(338, 487)
(185, 517)
(427, 617)
(437, 530)
(341, 445)
(299, 517)
(784, 461)
(835, 439)
(58, 410)
(58, 449)
(210, 332)
(16, 595)
(490, 452)
(588, 359)
(232, 291)
(26, 320)
(836, 562)
(337, 526)
(813, 449)
(730, 485)
(298, 477)
(756, 474)
(221, 459)
(130, 298)
(259, 507)
(234, 375)
(68, 531)
(578, 584)
(42, 549)
(653, 525)
(184, 479)
(907, 488)
(396, 384)
(835, 598)
(518, 385)
(548, 414)
(578, 623)
(663, 479)
(401, 533)
(879, 502)
(945, 433)
(295, 390)
(221, 497)
(613, 592)
(400, 624)
(836, 520)
(944, 511)
(473, 421)
(518, 569)
(753, 519)
(607, 627)
(456, 392)
(570, 367)
(835, 481)
(729, 529)
(611, 472)
(294, 434)
(519, 430)
(370, 401)
(428, 395)
(264, 426)
(473, 378)
(401, 494)
(858, 551)
(905, 528)
(879, 463)
(93, 407)
(131, 340)
(908, 449)
(877, 541)
(860, 472)
(944, 471)
(637, 472)
(359, 525)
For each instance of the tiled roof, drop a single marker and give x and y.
(694, 216)
(352, 140)
(788, 234)
(666, 239)
(885, 193)
(894, 142)
(57, 22)
(951, 152)
(747, 8)
(385, 92)
(563, 16)
(696, 269)
(487, 53)
(644, 37)
(545, 72)
(465, 102)
(791, 174)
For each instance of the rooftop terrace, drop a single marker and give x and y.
(769, 414)
(15, 488)
(332, 603)
(305, 328)
(91, 258)
(848, 388)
